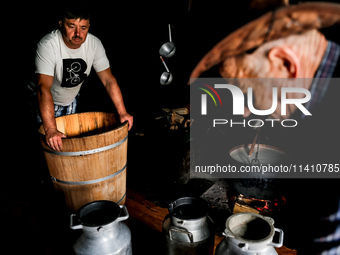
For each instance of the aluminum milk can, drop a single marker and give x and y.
(188, 229)
(249, 233)
(103, 231)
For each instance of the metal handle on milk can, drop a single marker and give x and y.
(71, 223)
(181, 230)
(280, 243)
(126, 213)
(228, 233)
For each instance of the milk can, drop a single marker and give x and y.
(188, 229)
(251, 234)
(103, 231)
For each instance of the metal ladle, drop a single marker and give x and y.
(168, 49)
(166, 77)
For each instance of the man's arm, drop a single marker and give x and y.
(113, 90)
(46, 107)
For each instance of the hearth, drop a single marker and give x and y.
(241, 203)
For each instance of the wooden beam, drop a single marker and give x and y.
(145, 211)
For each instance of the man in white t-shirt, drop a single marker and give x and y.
(63, 60)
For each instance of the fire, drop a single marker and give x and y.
(262, 206)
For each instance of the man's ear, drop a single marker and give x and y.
(285, 61)
(60, 23)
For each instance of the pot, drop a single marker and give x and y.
(166, 77)
(257, 185)
(103, 231)
(168, 49)
(249, 233)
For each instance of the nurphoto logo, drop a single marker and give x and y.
(238, 100)
(238, 103)
(204, 98)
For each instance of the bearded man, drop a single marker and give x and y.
(288, 45)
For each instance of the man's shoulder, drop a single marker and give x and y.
(50, 38)
(93, 40)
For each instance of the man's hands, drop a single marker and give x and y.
(54, 139)
(126, 117)
(46, 106)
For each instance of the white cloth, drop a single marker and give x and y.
(69, 67)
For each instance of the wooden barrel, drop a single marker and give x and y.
(92, 164)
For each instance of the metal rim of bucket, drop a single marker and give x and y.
(189, 201)
(122, 125)
(240, 154)
(265, 239)
(90, 151)
(242, 146)
(111, 207)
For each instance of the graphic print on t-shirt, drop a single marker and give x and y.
(73, 72)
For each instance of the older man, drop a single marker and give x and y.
(288, 44)
(63, 60)
(283, 45)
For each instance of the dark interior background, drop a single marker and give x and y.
(132, 33)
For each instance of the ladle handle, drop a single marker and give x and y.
(170, 33)
(254, 142)
(167, 69)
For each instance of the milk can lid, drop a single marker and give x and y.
(98, 213)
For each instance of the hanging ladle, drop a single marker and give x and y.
(166, 77)
(168, 49)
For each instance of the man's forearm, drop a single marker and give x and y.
(113, 90)
(46, 107)
(115, 94)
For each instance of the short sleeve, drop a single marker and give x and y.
(100, 61)
(45, 59)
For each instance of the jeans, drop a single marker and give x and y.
(62, 110)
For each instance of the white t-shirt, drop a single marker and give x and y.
(69, 67)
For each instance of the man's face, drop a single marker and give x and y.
(262, 81)
(74, 31)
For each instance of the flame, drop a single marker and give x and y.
(263, 206)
